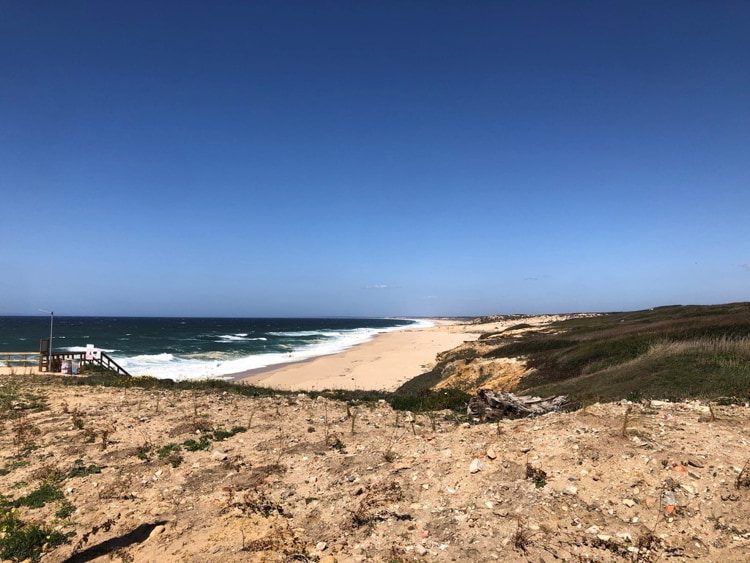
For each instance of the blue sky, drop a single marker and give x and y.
(372, 158)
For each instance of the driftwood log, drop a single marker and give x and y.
(492, 405)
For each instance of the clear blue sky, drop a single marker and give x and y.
(372, 158)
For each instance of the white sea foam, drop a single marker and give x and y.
(83, 349)
(238, 338)
(169, 366)
(329, 333)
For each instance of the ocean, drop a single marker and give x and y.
(192, 348)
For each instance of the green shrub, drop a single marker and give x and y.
(20, 541)
(44, 493)
(165, 451)
(203, 443)
(80, 469)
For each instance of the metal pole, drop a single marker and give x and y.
(49, 352)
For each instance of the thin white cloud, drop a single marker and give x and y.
(381, 286)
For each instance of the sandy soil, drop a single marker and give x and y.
(383, 363)
(299, 485)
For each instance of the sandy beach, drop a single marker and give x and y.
(384, 363)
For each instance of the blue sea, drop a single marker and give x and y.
(191, 348)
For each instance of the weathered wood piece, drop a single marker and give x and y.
(492, 405)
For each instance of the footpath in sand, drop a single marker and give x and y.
(146, 475)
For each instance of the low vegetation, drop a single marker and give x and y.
(673, 352)
(23, 541)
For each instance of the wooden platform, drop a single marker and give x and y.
(40, 361)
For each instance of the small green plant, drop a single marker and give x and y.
(171, 452)
(538, 476)
(203, 443)
(175, 459)
(77, 419)
(164, 451)
(23, 541)
(337, 444)
(12, 466)
(144, 452)
(65, 510)
(220, 435)
(80, 469)
(44, 493)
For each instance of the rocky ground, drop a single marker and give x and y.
(138, 475)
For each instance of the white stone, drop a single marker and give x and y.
(475, 466)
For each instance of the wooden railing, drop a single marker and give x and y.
(19, 359)
(41, 360)
(102, 360)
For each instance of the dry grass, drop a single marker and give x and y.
(736, 349)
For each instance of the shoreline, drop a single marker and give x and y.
(383, 363)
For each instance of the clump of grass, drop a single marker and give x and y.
(537, 475)
(388, 454)
(203, 443)
(175, 459)
(80, 469)
(144, 452)
(164, 451)
(24, 432)
(44, 493)
(220, 435)
(66, 509)
(521, 538)
(171, 452)
(77, 419)
(89, 436)
(337, 444)
(22, 541)
(12, 466)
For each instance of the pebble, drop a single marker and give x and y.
(475, 466)
(570, 490)
(321, 546)
(219, 456)
(593, 530)
(628, 502)
(491, 453)
(420, 549)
